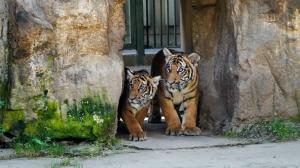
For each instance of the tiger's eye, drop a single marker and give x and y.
(142, 88)
(180, 69)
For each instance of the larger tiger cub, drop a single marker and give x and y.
(179, 87)
(139, 89)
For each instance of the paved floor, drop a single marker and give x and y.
(161, 151)
(158, 141)
(275, 155)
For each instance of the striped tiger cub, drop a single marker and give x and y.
(179, 87)
(139, 90)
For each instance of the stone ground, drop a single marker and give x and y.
(162, 151)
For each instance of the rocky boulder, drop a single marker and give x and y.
(251, 62)
(65, 50)
(4, 48)
(60, 60)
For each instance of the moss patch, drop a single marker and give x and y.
(33, 147)
(13, 121)
(92, 118)
(2, 90)
(274, 130)
(296, 118)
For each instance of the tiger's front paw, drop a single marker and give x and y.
(174, 130)
(195, 131)
(137, 136)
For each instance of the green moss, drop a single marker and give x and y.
(2, 90)
(1, 130)
(91, 118)
(33, 147)
(274, 130)
(297, 101)
(2, 104)
(50, 60)
(13, 120)
(95, 110)
(49, 110)
(3, 98)
(69, 129)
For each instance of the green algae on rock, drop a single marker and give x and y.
(92, 118)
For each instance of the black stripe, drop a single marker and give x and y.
(170, 93)
(194, 85)
(189, 99)
(168, 98)
(131, 110)
(191, 91)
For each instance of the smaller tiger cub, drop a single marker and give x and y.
(135, 101)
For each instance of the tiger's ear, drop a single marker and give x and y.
(194, 58)
(129, 73)
(167, 53)
(156, 80)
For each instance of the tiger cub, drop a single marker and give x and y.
(139, 89)
(179, 87)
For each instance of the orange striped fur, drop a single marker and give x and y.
(179, 87)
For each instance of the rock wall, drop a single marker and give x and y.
(251, 64)
(4, 48)
(268, 46)
(67, 50)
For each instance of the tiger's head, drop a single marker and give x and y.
(142, 87)
(180, 70)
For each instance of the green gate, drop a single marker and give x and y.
(152, 24)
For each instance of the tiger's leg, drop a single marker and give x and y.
(141, 115)
(172, 119)
(189, 120)
(155, 116)
(134, 128)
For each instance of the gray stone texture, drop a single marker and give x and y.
(251, 62)
(67, 49)
(4, 12)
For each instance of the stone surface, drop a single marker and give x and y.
(250, 62)
(157, 140)
(268, 45)
(4, 13)
(67, 50)
(274, 155)
(214, 40)
(251, 65)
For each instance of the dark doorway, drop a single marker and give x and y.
(152, 25)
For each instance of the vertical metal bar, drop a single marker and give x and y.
(161, 24)
(175, 19)
(140, 31)
(168, 24)
(147, 22)
(154, 26)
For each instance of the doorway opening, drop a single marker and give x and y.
(151, 25)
